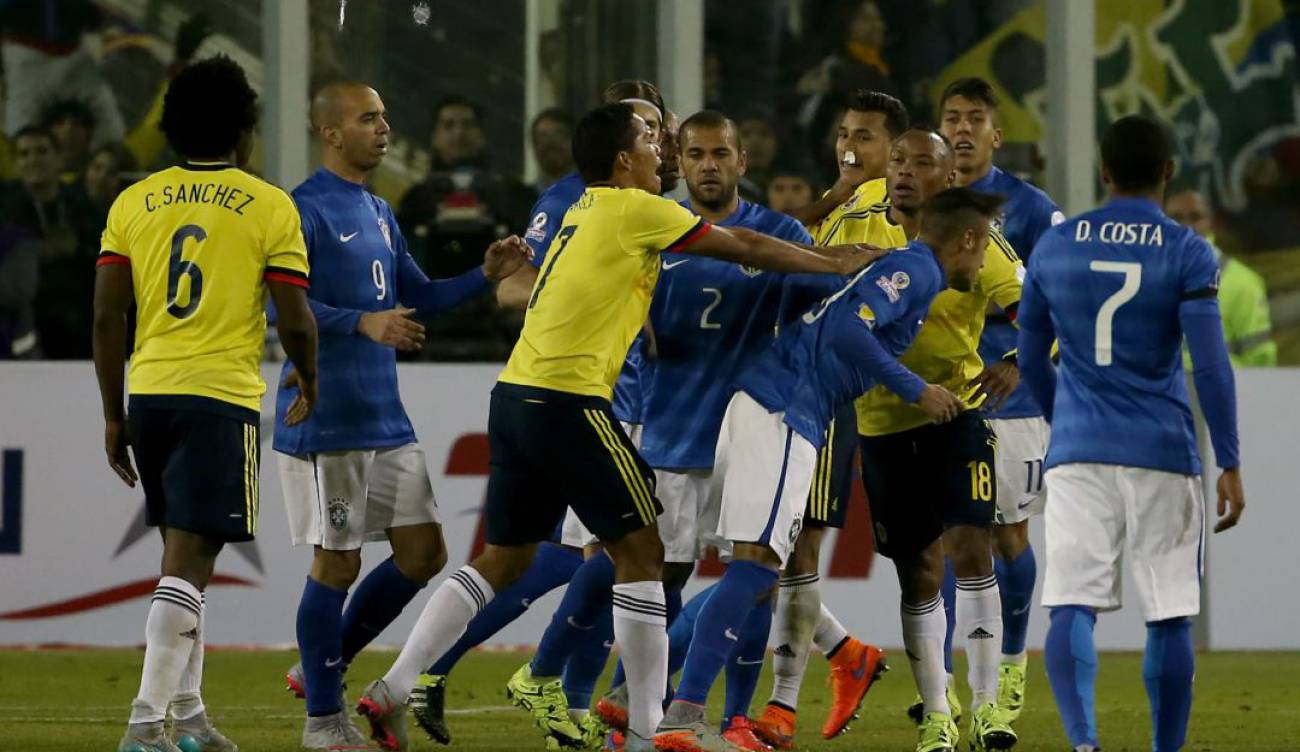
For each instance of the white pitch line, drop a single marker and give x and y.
(230, 713)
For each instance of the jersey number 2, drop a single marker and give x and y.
(177, 268)
(1106, 314)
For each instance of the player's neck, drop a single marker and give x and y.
(716, 215)
(1154, 195)
(910, 222)
(973, 175)
(346, 171)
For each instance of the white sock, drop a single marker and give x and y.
(188, 700)
(169, 636)
(798, 608)
(924, 627)
(979, 622)
(640, 618)
(830, 633)
(451, 607)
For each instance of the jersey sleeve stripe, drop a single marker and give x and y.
(1204, 292)
(1002, 243)
(287, 276)
(108, 257)
(699, 230)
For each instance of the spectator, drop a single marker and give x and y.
(66, 228)
(552, 136)
(1243, 297)
(106, 174)
(450, 219)
(72, 123)
(761, 146)
(788, 190)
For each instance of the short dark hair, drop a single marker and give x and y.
(35, 131)
(456, 100)
(556, 114)
(68, 109)
(929, 130)
(958, 209)
(635, 88)
(208, 108)
(598, 138)
(123, 158)
(896, 117)
(710, 119)
(973, 88)
(1135, 150)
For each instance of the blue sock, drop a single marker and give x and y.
(552, 567)
(1071, 659)
(1016, 583)
(718, 625)
(1167, 671)
(949, 591)
(320, 615)
(683, 628)
(590, 594)
(746, 662)
(587, 662)
(375, 603)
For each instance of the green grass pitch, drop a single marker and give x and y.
(73, 700)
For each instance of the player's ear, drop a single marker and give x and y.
(1169, 170)
(997, 137)
(743, 161)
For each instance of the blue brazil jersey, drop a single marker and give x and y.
(818, 362)
(1026, 215)
(710, 318)
(545, 221)
(1111, 281)
(361, 265)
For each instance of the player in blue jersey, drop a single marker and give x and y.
(1121, 287)
(710, 318)
(353, 472)
(767, 446)
(968, 110)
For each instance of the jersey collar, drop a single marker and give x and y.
(1135, 203)
(338, 182)
(206, 166)
(989, 179)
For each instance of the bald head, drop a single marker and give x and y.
(353, 126)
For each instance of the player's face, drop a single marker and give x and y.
(643, 158)
(553, 147)
(712, 164)
(786, 193)
(968, 257)
(760, 142)
(102, 177)
(920, 166)
(457, 136)
(363, 133)
(651, 117)
(863, 135)
(73, 138)
(969, 125)
(36, 160)
(1191, 209)
(670, 168)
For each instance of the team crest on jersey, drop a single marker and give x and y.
(887, 286)
(338, 512)
(866, 314)
(388, 236)
(852, 202)
(749, 271)
(795, 527)
(537, 229)
(900, 280)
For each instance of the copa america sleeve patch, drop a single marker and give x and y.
(537, 228)
(887, 286)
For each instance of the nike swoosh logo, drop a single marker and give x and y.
(609, 644)
(743, 662)
(526, 602)
(668, 266)
(333, 662)
(729, 634)
(577, 626)
(1019, 611)
(346, 238)
(861, 669)
(1027, 503)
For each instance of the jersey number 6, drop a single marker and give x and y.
(177, 268)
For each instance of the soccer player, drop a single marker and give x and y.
(196, 248)
(969, 111)
(554, 440)
(871, 123)
(915, 498)
(767, 448)
(710, 319)
(1121, 287)
(354, 472)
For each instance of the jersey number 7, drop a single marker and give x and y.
(1105, 336)
(562, 237)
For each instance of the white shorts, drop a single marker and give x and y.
(762, 473)
(685, 498)
(1101, 517)
(339, 500)
(1022, 446)
(575, 534)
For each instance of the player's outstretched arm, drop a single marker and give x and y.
(113, 297)
(432, 296)
(841, 191)
(939, 404)
(1216, 390)
(1034, 346)
(744, 246)
(298, 337)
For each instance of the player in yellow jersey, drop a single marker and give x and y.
(871, 122)
(553, 437)
(196, 248)
(923, 479)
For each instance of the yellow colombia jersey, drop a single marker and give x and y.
(201, 241)
(946, 350)
(593, 293)
(869, 193)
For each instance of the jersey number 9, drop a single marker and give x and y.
(178, 267)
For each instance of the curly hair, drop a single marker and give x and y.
(208, 107)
